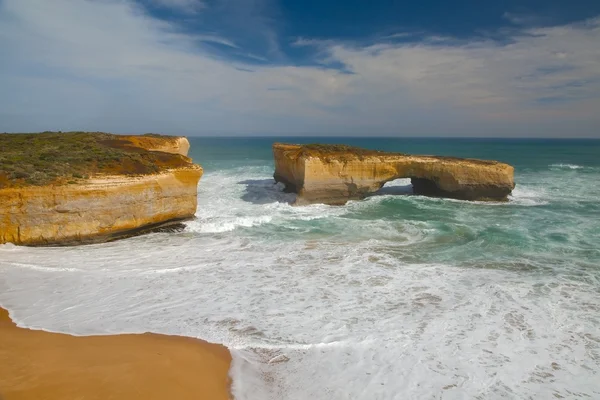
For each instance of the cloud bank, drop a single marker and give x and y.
(110, 65)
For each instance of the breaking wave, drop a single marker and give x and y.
(566, 166)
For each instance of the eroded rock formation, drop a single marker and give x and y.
(334, 174)
(104, 207)
(166, 144)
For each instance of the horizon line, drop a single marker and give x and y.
(266, 136)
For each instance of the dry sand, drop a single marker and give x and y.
(52, 366)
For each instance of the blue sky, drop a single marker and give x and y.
(265, 67)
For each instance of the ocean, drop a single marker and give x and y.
(393, 297)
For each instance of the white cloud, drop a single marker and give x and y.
(217, 39)
(107, 65)
(559, 62)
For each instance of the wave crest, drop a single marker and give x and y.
(566, 166)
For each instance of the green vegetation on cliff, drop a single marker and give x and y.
(328, 149)
(342, 152)
(45, 158)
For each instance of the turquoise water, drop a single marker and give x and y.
(558, 177)
(393, 297)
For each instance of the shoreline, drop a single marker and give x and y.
(36, 364)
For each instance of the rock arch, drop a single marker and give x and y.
(334, 174)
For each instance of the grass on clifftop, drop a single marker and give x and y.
(339, 151)
(45, 158)
(342, 152)
(337, 148)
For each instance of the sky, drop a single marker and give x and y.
(528, 68)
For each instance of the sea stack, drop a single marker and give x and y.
(334, 174)
(75, 188)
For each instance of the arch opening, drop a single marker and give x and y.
(396, 187)
(412, 186)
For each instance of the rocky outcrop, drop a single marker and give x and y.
(334, 174)
(166, 144)
(100, 209)
(103, 207)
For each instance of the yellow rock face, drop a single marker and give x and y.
(336, 174)
(103, 207)
(98, 210)
(174, 145)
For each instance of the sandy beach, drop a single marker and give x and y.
(46, 366)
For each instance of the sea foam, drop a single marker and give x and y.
(390, 297)
(566, 166)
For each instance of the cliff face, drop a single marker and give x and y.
(103, 207)
(98, 210)
(173, 145)
(336, 174)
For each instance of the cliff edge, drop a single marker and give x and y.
(74, 188)
(334, 174)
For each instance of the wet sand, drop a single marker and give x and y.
(51, 366)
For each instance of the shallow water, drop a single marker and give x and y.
(394, 297)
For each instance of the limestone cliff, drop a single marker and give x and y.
(165, 144)
(334, 174)
(104, 206)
